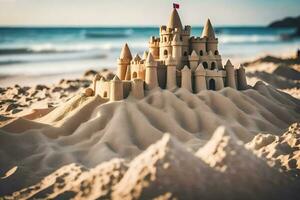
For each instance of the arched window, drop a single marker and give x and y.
(216, 52)
(213, 66)
(165, 52)
(185, 53)
(212, 84)
(105, 94)
(205, 65)
(165, 39)
(180, 38)
(201, 53)
(134, 75)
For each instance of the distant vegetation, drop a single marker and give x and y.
(289, 22)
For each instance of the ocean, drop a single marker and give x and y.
(43, 51)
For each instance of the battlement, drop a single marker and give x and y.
(194, 39)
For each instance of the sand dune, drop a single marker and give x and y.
(90, 131)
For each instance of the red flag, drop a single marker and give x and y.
(176, 5)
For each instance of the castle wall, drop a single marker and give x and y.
(103, 88)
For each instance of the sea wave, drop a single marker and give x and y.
(109, 34)
(224, 38)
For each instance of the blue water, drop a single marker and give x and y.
(65, 50)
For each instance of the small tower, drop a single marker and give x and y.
(230, 75)
(116, 89)
(154, 47)
(241, 78)
(177, 50)
(200, 82)
(151, 73)
(212, 41)
(137, 88)
(171, 73)
(124, 61)
(186, 78)
(193, 60)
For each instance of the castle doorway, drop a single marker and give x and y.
(212, 84)
(134, 75)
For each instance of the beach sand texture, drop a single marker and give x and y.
(76, 137)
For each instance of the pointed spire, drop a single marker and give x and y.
(116, 78)
(185, 68)
(125, 53)
(194, 54)
(228, 63)
(200, 67)
(150, 58)
(137, 57)
(208, 30)
(175, 21)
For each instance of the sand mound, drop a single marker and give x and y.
(242, 171)
(167, 170)
(167, 167)
(89, 131)
(73, 181)
(283, 151)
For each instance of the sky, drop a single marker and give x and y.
(143, 12)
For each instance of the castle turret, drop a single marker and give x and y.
(212, 41)
(116, 89)
(177, 50)
(124, 61)
(200, 82)
(230, 76)
(151, 72)
(137, 88)
(193, 60)
(241, 78)
(154, 47)
(171, 73)
(186, 78)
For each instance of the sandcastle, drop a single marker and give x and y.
(174, 59)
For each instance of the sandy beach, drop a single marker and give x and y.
(69, 145)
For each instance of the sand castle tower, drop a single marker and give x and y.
(116, 89)
(137, 88)
(193, 60)
(186, 78)
(241, 78)
(211, 40)
(124, 61)
(230, 79)
(96, 79)
(171, 73)
(151, 72)
(177, 50)
(200, 81)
